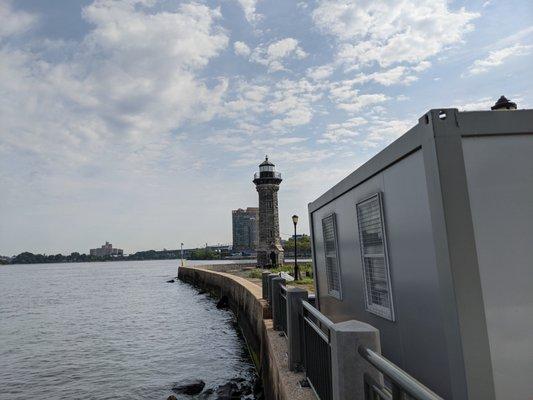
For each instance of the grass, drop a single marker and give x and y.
(306, 271)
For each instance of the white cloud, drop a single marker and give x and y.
(522, 36)
(366, 132)
(382, 132)
(241, 49)
(498, 57)
(14, 22)
(422, 66)
(133, 76)
(275, 107)
(286, 156)
(245, 100)
(396, 75)
(347, 98)
(293, 102)
(343, 132)
(249, 9)
(273, 55)
(390, 33)
(482, 104)
(321, 72)
(284, 47)
(361, 101)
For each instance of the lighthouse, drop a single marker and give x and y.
(267, 181)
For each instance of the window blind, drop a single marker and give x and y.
(329, 232)
(374, 257)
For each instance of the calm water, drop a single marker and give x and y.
(110, 331)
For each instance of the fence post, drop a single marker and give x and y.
(276, 293)
(347, 366)
(294, 334)
(270, 277)
(264, 281)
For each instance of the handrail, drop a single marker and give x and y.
(317, 314)
(406, 382)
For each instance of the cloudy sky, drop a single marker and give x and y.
(142, 122)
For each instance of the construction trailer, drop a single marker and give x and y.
(431, 242)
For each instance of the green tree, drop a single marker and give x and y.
(303, 242)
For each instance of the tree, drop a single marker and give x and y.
(304, 244)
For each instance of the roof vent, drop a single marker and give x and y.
(503, 104)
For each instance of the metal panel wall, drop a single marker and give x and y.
(500, 189)
(436, 234)
(415, 341)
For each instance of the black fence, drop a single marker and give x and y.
(315, 347)
(317, 351)
(282, 309)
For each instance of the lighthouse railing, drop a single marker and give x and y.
(267, 174)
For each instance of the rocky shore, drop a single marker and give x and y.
(244, 387)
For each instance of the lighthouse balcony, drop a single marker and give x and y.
(267, 174)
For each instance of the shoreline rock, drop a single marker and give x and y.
(223, 303)
(190, 388)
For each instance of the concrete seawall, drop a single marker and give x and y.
(268, 348)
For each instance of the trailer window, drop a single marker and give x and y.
(373, 245)
(329, 232)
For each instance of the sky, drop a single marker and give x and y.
(141, 122)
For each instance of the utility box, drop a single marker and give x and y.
(431, 242)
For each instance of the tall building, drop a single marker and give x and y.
(245, 233)
(106, 250)
(267, 181)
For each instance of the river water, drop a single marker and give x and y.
(112, 330)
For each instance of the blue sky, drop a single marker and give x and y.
(142, 122)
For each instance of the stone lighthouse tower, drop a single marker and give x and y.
(269, 250)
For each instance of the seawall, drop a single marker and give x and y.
(268, 348)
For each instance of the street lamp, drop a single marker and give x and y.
(182, 254)
(296, 272)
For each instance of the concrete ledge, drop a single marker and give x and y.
(268, 349)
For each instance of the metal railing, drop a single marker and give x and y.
(267, 174)
(282, 309)
(314, 344)
(404, 386)
(317, 350)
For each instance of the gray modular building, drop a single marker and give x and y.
(431, 242)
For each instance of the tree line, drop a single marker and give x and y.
(30, 258)
(304, 246)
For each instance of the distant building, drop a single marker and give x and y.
(106, 250)
(245, 229)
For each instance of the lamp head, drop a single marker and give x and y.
(295, 219)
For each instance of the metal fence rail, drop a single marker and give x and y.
(404, 386)
(282, 309)
(313, 331)
(317, 350)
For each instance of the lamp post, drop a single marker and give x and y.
(296, 272)
(182, 254)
